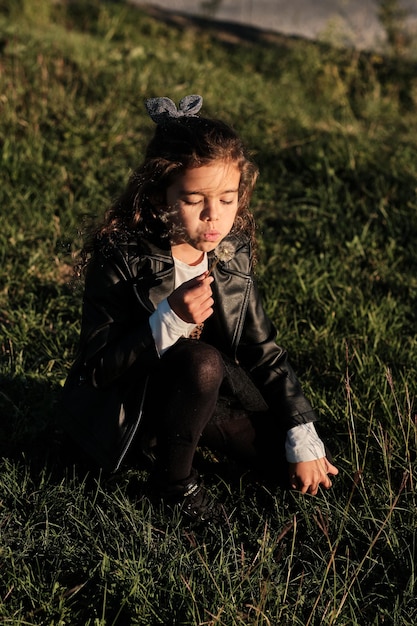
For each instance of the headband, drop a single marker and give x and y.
(163, 109)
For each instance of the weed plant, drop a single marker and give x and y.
(335, 135)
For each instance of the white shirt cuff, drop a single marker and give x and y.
(303, 444)
(167, 327)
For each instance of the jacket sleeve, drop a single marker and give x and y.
(269, 366)
(115, 331)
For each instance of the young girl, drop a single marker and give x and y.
(176, 350)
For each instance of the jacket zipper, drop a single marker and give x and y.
(128, 441)
(239, 326)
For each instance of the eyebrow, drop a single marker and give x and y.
(185, 192)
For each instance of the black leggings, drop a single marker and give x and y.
(188, 404)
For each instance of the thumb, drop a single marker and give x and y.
(202, 277)
(330, 468)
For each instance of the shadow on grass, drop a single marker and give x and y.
(29, 430)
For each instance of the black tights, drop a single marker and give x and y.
(182, 398)
(184, 409)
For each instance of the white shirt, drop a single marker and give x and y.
(302, 442)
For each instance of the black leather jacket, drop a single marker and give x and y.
(105, 390)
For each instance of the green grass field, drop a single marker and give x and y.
(334, 133)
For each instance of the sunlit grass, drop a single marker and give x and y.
(335, 135)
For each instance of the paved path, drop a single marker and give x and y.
(347, 22)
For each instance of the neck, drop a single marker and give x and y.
(187, 254)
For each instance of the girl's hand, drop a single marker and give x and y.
(307, 476)
(192, 301)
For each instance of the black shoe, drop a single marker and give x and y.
(191, 497)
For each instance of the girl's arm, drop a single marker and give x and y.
(167, 327)
(115, 331)
(306, 455)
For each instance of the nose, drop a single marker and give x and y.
(211, 210)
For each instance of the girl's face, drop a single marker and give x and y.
(202, 206)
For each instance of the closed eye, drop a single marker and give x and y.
(192, 202)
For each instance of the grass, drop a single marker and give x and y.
(335, 135)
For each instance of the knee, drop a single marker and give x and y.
(201, 363)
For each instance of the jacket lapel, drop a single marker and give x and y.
(155, 278)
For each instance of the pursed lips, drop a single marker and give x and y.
(211, 235)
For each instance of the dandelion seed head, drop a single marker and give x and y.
(224, 252)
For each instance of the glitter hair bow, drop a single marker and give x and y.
(163, 109)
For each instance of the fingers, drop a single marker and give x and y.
(313, 486)
(306, 485)
(192, 301)
(308, 476)
(199, 298)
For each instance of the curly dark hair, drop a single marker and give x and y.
(177, 145)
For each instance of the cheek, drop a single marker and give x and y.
(235, 216)
(181, 220)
